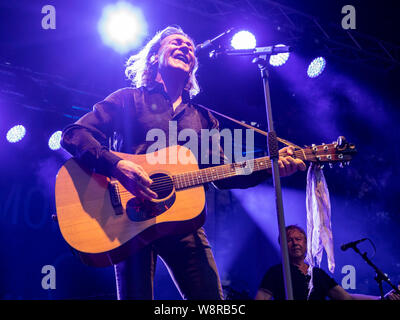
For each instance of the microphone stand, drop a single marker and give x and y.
(380, 276)
(260, 57)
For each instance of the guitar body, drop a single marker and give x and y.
(103, 233)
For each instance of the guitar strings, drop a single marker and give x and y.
(166, 182)
(166, 186)
(297, 152)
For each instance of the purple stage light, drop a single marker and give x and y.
(279, 59)
(54, 141)
(316, 67)
(122, 27)
(16, 133)
(243, 40)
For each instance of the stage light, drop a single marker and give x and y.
(122, 27)
(54, 141)
(316, 67)
(16, 133)
(243, 40)
(279, 59)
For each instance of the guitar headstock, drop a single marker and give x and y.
(339, 151)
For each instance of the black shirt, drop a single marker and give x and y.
(126, 116)
(273, 282)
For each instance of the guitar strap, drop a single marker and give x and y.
(288, 143)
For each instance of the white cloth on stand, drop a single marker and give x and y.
(319, 228)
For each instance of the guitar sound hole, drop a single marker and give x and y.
(138, 210)
(162, 185)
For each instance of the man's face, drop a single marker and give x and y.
(177, 52)
(297, 244)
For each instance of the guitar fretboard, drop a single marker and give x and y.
(190, 179)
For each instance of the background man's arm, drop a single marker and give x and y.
(338, 293)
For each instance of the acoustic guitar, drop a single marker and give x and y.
(104, 223)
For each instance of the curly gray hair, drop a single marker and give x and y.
(142, 72)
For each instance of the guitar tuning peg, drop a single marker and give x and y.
(347, 163)
(341, 141)
(341, 164)
(330, 165)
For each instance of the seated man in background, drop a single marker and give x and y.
(272, 285)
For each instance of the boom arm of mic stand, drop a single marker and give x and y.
(255, 52)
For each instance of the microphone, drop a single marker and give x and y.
(352, 244)
(208, 43)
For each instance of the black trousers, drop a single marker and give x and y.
(189, 260)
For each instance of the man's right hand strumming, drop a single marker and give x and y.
(134, 179)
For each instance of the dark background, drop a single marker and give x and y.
(51, 77)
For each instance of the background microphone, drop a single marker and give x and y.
(352, 244)
(208, 43)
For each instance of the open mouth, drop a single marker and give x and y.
(182, 58)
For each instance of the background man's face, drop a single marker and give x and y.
(297, 244)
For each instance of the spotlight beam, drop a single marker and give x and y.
(316, 67)
(243, 40)
(122, 27)
(16, 134)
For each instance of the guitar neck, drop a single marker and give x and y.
(190, 179)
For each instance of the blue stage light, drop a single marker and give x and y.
(243, 40)
(16, 133)
(316, 67)
(54, 141)
(279, 59)
(122, 27)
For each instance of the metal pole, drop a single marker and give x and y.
(261, 55)
(274, 155)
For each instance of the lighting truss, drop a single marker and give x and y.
(348, 45)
